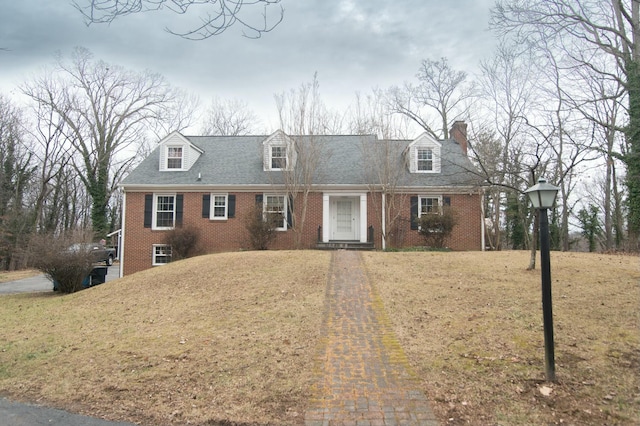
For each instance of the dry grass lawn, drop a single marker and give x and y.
(471, 325)
(230, 338)
(225, 337)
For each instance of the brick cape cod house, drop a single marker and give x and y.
(213, 182)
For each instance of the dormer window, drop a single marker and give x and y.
(278, 157)
(423, 155)
(425, 159)
(177, 153)
(279, 152)
(174, 157)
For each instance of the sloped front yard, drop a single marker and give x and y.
(227, 337)
(231, 338)
(471, 324)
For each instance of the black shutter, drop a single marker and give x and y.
(259, 199)
(446, 201)
(206, 205)
(179, 210)
(290, 212)
(148, 210)
(414, 212)
(231, 209)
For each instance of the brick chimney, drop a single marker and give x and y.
(458, 133)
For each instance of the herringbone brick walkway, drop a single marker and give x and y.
(362, 373)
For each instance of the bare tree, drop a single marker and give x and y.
(583, 30)
(54, 154)
(386, 166)
(441, 90)
(501, 147)
(215, 16)
(301, 111)
(600, 100)
(16, 174)
(229, 118)
(371, 115)
(303, 116)
(105, 110)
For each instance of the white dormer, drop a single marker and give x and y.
(278, 152)
(423, 154)
(177, 153)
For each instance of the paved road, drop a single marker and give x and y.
(42, 283)
(17, 414)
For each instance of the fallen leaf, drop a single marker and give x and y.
(545, 390)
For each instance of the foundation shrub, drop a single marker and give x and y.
(437, 228)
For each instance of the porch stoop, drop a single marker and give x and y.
(344, 245)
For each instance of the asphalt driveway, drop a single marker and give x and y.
(18, 414)
(42, 283)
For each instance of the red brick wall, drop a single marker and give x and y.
(230, 234)
(215, 235)
(466, 234)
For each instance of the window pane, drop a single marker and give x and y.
(174, 163)
(429, 205)
(219, 206)
(278, 157)
(425, 159)
(174, 158)
(275, 209)
(165, 211)
(162, 254)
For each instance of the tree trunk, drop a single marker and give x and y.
(632, 158)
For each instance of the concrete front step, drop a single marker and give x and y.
(345, 245)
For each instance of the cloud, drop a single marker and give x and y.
(353, 45)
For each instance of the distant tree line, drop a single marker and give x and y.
(560, 98)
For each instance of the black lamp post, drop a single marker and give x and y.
(542, 196)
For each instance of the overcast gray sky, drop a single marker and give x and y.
(352, 45)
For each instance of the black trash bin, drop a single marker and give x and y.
(98, 275)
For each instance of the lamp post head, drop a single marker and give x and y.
(542, 194)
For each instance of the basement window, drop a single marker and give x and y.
(161, 254)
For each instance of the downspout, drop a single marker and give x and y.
(121, 248)
(482, 224)
(384, 222)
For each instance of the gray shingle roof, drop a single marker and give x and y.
(237, 161)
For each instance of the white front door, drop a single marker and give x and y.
(345, 218)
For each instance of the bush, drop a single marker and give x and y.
(437, 228)
(62, 261)
(261, 228)
(183, 241)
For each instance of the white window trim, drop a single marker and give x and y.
(422, 197)
(154, 262)
(166, 158)
(286, 157)
(285, 208)
(154, 219)
(212, 200)
(434, 157)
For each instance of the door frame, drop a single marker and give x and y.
(359, 210)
